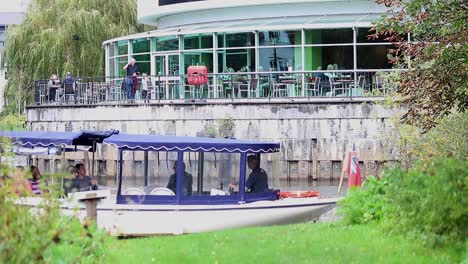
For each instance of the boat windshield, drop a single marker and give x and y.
(203, 176)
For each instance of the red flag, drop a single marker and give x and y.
(354, 171)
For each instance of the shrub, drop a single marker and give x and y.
(429, 200)
(45, 235)
(364, 205)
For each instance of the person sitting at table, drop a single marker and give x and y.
(319, 74)
(330, 67)
(53, 85)
(69, 81)
(188, 180)
(82, 182)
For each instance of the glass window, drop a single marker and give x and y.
(212, 173)
(161, 180)
(236, 60)
(280, 59)
(111, 66)
(329, 36)
(198, 58)
(230, 40)
(281, 37)
(122, 47)
(121, 63)
(198, 41)
(373, 57)
(140, 45)
(144, 63)
(363, 36)
(167, 43)
(111, 49)
(327, 57)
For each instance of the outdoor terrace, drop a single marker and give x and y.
(233, 86)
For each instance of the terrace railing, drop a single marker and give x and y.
(233, 86)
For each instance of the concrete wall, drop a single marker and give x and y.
(314, 136)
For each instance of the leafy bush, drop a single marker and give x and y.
(429, 200)
(45, 235)
(448, 139)
(364, 205)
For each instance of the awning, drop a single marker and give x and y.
(55, 138)
(40, 138)
(195, 144)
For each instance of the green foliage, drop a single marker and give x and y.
(43, 235)
(12, 122)
(364, 205)
(437, 81)
(226, 127)
(448, 139)
(430, 201)
(60, 36)
(301, 243)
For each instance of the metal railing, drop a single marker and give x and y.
(234, 86)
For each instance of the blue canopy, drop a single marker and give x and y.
(40, 138)
(196, 144)
(55, 138)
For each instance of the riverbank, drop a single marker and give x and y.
(302, 243)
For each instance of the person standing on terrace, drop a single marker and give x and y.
(53, 85)
(131, 79)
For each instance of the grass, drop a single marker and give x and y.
(302, 243)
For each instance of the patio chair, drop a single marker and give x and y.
(43, 92)
(313, 87)
(216, 90)
(250, 87)
(279, 89)
(69, 94)
(335, 86)
(359, 89)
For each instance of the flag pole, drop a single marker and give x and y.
(343, 169)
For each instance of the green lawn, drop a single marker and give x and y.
(303, 243)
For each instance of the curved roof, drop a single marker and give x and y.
(55, 138)
(179, 143)
(40, 138)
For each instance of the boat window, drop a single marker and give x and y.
(149, 173)
(212, 172)
(268, 164)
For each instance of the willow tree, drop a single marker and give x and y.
(57, 36)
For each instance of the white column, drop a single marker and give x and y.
(303, 62)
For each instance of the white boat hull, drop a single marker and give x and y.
(144, 220)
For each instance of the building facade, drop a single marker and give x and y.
(252, 36)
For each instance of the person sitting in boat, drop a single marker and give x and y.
(258, 178)
(20, 184)
(82, 182)
(172, 184)
(35, 181)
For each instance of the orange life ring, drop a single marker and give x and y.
(304, 194)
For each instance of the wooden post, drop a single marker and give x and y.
(90, 199)
(343, 170)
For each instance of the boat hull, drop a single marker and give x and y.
(145, 220)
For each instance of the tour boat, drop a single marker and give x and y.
(154, 209)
